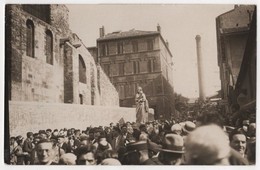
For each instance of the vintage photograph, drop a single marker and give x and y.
(130, 84)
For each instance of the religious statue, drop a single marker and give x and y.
(142, 107)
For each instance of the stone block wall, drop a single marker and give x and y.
(33, 79)
(34, 116)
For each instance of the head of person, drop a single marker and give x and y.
(172, 150)
(136, 153)
(153, 148)
(19, 140)
(207, 145)
(176, 129)
(29, 135)
(110, 161)
(238, 140)
(116, 132)
(12, 140)
(86, 155)
(84, 140)
(61, 139)
(48, 132)
(68, 159)
(45, 151)
(140, 90)
(188, 127)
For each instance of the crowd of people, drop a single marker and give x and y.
(204, 141)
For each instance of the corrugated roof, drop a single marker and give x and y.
(131, 33)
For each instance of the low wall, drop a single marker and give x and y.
(34, 116)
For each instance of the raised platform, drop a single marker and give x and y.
(34, 116)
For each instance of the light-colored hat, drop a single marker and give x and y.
(173, 143)
(206, 145)
(110, 161)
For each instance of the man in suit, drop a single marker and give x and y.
(28, 147)
(118, 140)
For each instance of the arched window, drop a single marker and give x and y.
(29, 38)
(82, 70)
(49, 47)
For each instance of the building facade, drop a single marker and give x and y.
(139, 58)
(47, 62)
(236, 41)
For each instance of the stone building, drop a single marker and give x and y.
(47, 62)
(138, 58)
(236, 41)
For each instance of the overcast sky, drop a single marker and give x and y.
(179, 24)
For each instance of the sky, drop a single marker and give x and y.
(179, 26)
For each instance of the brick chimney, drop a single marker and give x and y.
(102, 32)
(158, 28)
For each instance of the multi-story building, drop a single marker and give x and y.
(139, 58)
(236, 41)
(47, 62)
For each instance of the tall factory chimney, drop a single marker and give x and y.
(200, 70)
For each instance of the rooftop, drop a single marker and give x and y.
(124, 34)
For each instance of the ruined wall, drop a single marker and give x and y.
(34, 116)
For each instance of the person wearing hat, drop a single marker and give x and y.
(110, 161)
(172, 150)
(209, 145)
(153, 151)
(68, 159)
(188, 127)
(137, 154)
(176, 129)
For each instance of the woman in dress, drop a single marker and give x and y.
(141, 106)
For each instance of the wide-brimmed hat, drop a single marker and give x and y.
(188, 127)
(173, 143)
(137, 146)
(154, 146)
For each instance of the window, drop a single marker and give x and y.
(49, 47)
(104, 51)
(82, 70)
(40, 11)
(107, 69)
(80, 98)
(29, 38)
(120, 48)
(150, 45)
(150, 65)
(136, 67)
(121, 92)
(135, 46)
(121, 69)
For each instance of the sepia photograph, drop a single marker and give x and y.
(130, 84)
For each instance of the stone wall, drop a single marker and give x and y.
(31, 78)
(34, 116)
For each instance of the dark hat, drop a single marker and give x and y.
(153, 146)
(61, 136)
(137, 146)
(173, 143)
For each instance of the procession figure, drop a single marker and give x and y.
(142, 107)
